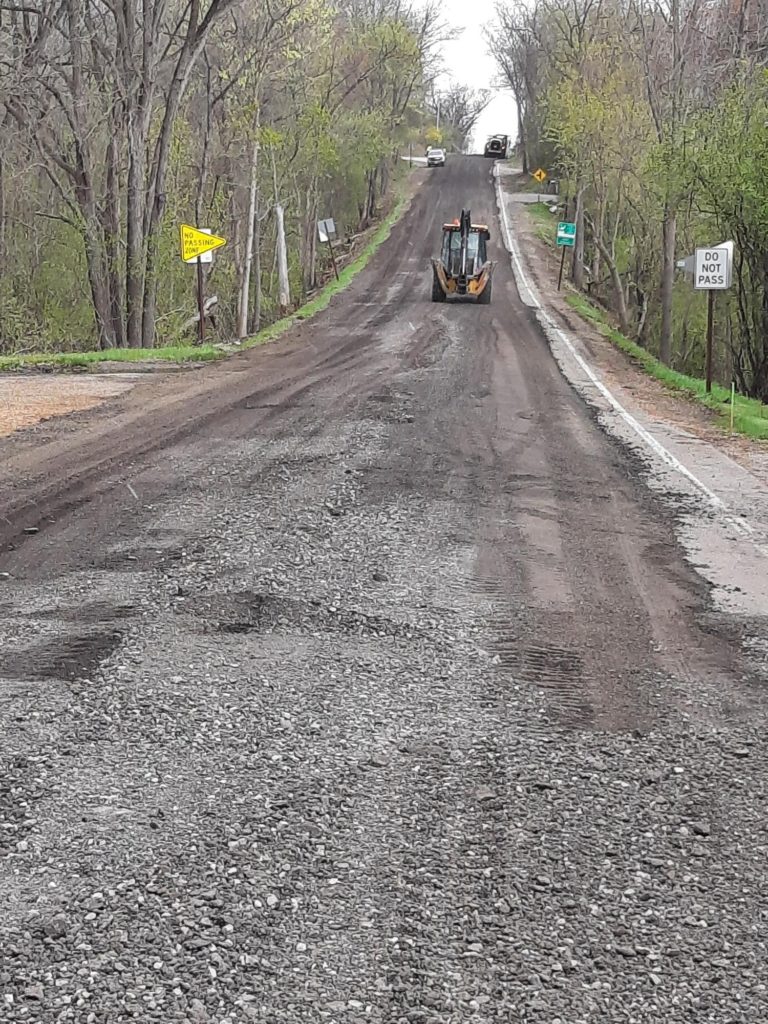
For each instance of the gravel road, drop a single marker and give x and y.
(361, 679)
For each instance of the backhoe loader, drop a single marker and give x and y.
(463, 269)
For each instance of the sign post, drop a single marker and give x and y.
(712, 269)
(200, 300)
(539, 175)
(325, 230)
(196, 245)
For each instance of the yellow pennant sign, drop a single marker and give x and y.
(194, 242)
(539, 175)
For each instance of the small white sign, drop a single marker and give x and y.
(204, 257)
(712, 268)
(326, 229)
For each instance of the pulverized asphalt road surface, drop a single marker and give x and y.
(361, 678)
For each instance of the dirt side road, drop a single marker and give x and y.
(360, 678)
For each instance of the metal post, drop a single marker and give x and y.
(410, 154)
(733, 401)
(200, 300)
(563, 247)
(333, 258)
(710, 335)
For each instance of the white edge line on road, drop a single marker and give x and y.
(532, 300)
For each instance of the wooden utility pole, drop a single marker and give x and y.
(333, 258)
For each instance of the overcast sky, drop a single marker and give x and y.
(469, 63)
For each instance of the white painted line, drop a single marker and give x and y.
(529, 297)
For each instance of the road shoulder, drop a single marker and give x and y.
(717, 483)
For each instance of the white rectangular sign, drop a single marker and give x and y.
(712, 268)
(326, 229)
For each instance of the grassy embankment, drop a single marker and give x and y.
(750, 417)
(205, 353)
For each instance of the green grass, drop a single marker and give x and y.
(750, 417)
(205, 353)
(86, 360)
(529, 184)
(546, 222)
(323, 299)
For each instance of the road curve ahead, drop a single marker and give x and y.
(361, 678)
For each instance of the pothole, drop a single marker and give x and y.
(140, 560)
(87, 614)
(65, 658)
(254, 612)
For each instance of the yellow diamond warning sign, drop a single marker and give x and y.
(195, 243)
(539, 175)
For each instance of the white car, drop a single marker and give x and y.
(435, 158)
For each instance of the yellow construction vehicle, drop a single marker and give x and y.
(463, 269)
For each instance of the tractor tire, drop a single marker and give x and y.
(484, 298)
(438, 295)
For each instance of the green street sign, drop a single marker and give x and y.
(566, 233)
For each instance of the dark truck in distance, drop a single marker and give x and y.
(497, 146)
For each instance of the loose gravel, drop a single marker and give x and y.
(302, 787)
(285, 749)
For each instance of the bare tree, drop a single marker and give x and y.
(459, 108)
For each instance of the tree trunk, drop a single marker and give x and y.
(112, 231)
(3, 215)
(669, 230)
(370, 200)
(310, 245)
(245, 286)
(284, 290)
(102, 306)
(577, 264)
(596, 254)
(384, 177)
(190, 51)
(194, 42)
(256, 315)
(618, 284)
(521, 134)
(135, 214)
(205, 159)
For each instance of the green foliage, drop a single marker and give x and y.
(660, 135)
(724, 162)
(750, 416)
(546, 222)
(329, 93)
(206, 353)
(16, 324)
